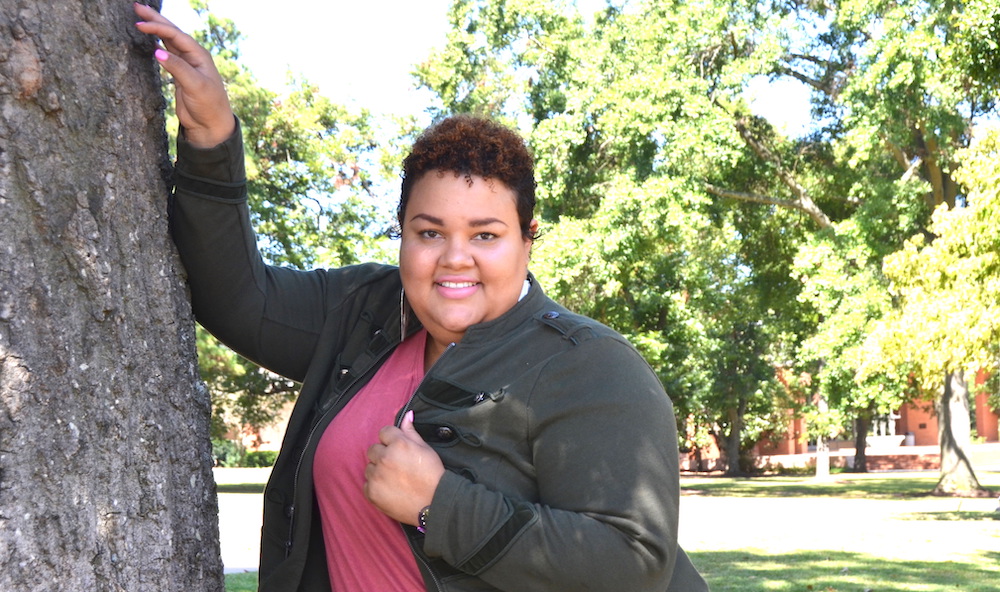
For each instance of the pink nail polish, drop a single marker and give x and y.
(161, 55)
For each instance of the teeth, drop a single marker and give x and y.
(457, 284)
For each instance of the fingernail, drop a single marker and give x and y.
(140, 22)
(161, 55)
(409, 416)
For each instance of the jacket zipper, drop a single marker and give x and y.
(305, 448)
(413, 395)
(419, 557)
(399, 421)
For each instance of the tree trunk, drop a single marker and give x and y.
(954, 435)
(105, 461)
(732, 441)
(861, 425)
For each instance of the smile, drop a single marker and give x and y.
(457, 284)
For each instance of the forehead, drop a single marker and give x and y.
(450, 192)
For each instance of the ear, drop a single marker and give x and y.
(533, 229)
(533, 226)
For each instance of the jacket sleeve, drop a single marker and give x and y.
(269, 314)
(602, 438)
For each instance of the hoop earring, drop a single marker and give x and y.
(402, 314)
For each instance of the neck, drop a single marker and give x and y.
(432, 351)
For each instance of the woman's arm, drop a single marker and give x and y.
(268, 314)
(602, 440)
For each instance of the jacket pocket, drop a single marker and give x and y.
(449, 396)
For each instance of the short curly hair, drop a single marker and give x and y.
(471, 145)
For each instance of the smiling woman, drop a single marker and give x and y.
(466, 234)
(456, 430)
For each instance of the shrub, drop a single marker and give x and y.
(227, 453)
(260, 458)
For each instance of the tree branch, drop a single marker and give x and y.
(802, 201)
(816, 84)
(912, 169)
(754, 197)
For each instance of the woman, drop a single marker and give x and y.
(456, 429)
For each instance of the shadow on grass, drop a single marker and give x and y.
(951, 516)
(840, 571)
(240, 487)
(891, 487)
(844, 485)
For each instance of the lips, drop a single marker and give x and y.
(457, 289)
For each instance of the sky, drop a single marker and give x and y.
(360, 52)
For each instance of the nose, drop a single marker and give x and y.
(456, 254)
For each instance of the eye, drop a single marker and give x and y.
(429, 234)
(485, 236)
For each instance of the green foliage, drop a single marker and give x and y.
(230, 453)
(260, 458)
(842, 283)
(227, 453)
(948, 317)
(244, 395)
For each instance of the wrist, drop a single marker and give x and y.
(209, 137)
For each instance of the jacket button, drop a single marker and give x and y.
(445, 433)
(551, 315)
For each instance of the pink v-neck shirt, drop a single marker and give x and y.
(365, 549)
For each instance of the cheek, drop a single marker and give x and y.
(415, 264)
(405, 263)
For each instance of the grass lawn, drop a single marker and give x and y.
(876, 532)
(753, 570)
(241, 582)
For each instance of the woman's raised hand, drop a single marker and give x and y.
(202, 104)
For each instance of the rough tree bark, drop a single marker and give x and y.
(105, 461)
(954, 436)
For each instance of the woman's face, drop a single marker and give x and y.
(462, 258)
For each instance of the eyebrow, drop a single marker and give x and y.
(474, 223)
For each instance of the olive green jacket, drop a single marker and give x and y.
(559, 441)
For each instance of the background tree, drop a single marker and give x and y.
(844, 284)
(948, 321)
(105, 464)
(901, 99)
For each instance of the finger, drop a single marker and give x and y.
(174, 39)
(177, 42)
(406, 426)
(155, 23)
(388, 435)
(149, 13)
(374, 452)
